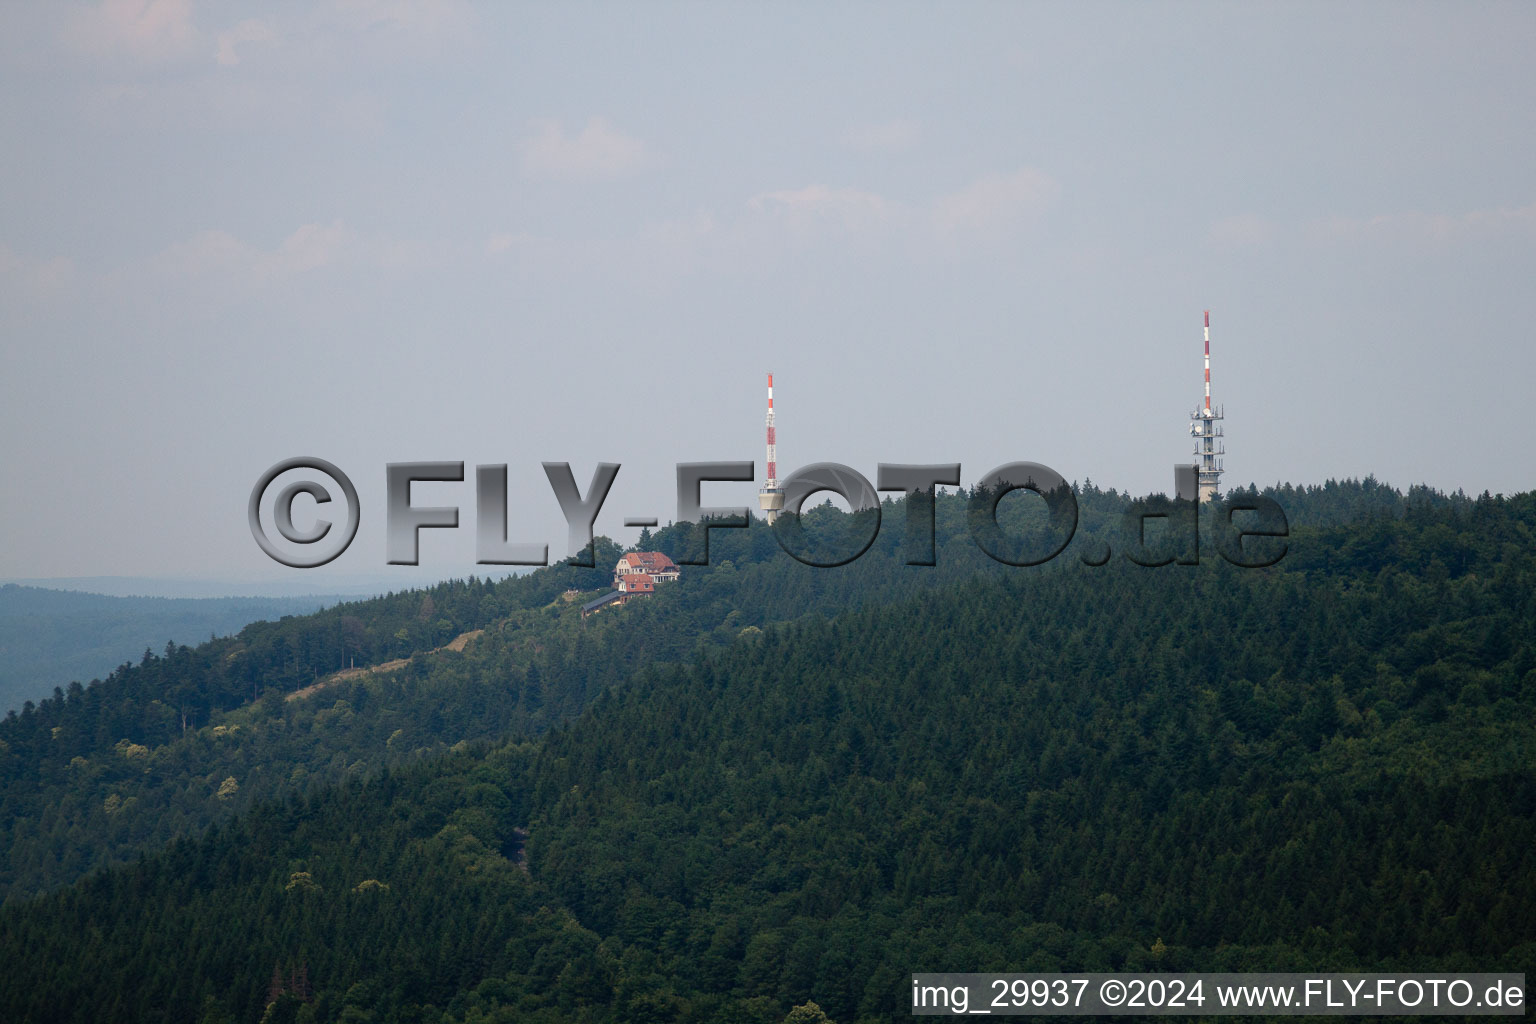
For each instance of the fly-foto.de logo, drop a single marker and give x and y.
(1253, 541)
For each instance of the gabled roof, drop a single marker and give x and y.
(647, 561)
(596, 603)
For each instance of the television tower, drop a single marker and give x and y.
(1207, 432)
(770, 497)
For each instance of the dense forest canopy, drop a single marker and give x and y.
(771, 784)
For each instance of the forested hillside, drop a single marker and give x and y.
(189, 736)
(773, 783)
(50, 637)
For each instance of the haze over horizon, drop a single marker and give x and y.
(377, 233)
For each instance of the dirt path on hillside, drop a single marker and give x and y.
(458, 643)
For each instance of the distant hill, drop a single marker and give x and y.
(299, 584)
(51, 638)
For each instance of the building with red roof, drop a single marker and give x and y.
(654, 564)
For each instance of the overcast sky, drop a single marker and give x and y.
(379, 232)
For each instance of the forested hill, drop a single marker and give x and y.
(191, 735)
(772, 784)
(50, 637)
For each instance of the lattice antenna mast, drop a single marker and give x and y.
(1208, 433)
(770, 497)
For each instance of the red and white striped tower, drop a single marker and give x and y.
(770, 497)
(1207, 363)
(1207, 432)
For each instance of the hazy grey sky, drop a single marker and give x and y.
(377, 231)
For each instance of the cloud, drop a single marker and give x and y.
(145, 29)
(206, 253)
(824, 205)
(216, 269)
(658, 252)
(248, 31)
(984, 207)
(599, 151)
(994, 203)
(1417, 227)
(311, 247)
(1406, 228)
(788, 226)
(219, 255)
(160, 30)
(347, 32)
(414, 17)
(989, 209)
(885, 137)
